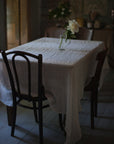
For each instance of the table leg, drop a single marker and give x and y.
(9, 115)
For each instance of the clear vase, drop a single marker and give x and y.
(63, 42)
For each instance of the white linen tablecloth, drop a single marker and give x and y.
(65, 72)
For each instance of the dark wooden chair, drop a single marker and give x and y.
(84, 34)
(17, 94)
(93, 87)
(56, 32)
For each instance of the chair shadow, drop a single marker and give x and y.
(22, 139)
(106, 117)
(97, 129)
(27, 132)
(24, 130)
(32, 136)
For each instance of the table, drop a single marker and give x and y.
(65, 73)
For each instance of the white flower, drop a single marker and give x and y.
(55, 16)
(73, 26)
(62, 13)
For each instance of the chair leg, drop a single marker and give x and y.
(40, 112)
(92, 110)
(13, 120)
(35, 111)
(96, 103)
(62, 122)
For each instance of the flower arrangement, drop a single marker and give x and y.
(71, 29)
(62, 11)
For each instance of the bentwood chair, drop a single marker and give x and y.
(84, 34)
(17, 94)
(54, 31)
(93, 88)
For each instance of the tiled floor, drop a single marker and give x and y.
(27, 130)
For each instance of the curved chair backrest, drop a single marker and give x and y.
(14, 77)
(100, 58)
(94, 83)
(54, 32)
(85, 34)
